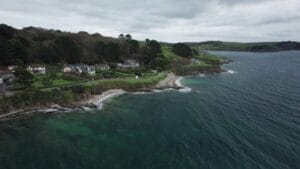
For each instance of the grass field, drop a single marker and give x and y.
(169, 54)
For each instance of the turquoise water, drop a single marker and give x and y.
(248, 117)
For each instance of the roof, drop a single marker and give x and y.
(4, 68)
(2, 74)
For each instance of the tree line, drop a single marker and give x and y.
(36, 45)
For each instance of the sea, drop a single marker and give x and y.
(247, 117)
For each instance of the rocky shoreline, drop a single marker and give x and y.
(94, 101)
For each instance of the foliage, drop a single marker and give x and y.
(37, 45)
(23, 77)
(70, 77)
(182, 50)
(67, 49)
(151, 50)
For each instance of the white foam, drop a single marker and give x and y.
(231, 71)
(98, 100)
(179, 84)
(185, 90)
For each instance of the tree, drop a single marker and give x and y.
(112, 52)
(151, 50)
(19, 51)
(121, 36)
(23, 77)
(182, 50)
(109, 52)
(128, 37)
(133, 46)
(66, 48)
(6, 32)
(5, 57)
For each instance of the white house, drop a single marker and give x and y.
(72, 69)
(12, 68)
(1, 80)
(128, 64)
(102, 67)
(39, 69)
(67, 69)
(78, 69)
(89, 69)
(196, 61)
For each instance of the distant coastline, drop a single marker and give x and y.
(250, 47)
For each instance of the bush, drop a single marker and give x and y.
(70, 77)
(67, 96)
(47, 82)
(182, 50)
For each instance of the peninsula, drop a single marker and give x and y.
(43, 68)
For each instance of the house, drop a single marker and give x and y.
(67, 69)
(89, 69)
(154, 71)
(195, 61)
(6, 77)
(128, 64)
(102, 67)
(37, 69)
(12, 68)
(78, 69)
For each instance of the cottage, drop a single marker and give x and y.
(89, 70)
(67, 69)
(6, 77)
(196, 61)
(37, 69)
(12, 68)
(128, 64)
(77, 69)
(154, 71)
(102, 67)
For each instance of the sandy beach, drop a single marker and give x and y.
(98, 100)
(169, 82)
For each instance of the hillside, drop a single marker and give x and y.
(38, 45)
(255, 47)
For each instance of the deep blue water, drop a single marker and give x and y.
(247, 118)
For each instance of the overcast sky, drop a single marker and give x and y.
(164, 20)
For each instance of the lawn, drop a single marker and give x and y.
(145, 80)
(169, 54)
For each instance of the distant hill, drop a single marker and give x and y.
(254, 47)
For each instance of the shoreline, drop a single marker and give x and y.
(95, 101)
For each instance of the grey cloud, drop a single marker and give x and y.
(165, 20)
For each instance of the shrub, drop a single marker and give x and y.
(70, 77)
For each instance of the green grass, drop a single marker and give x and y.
(126, 82)
(61, 82)
(58, 81)
(169, 54)
(129, 83)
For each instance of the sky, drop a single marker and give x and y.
(163, 20)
